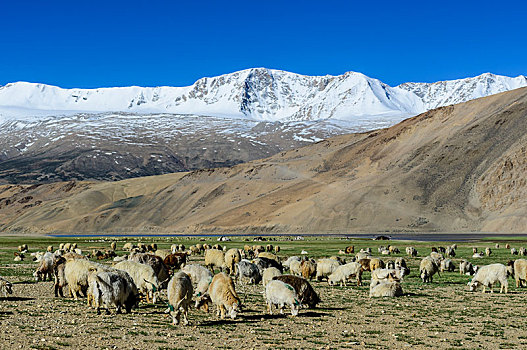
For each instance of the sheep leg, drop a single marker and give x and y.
(222, 312)
(185, 317)
(484, 287)
(269, 308)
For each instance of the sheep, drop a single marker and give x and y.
(269, 248)
(144, 278)
(215, 258)
(522, 251)
(45, 268)
(163, 253)
(6, 287)
(67, 247)
(437, 257)
(142, 247)
(382, 275)
(362, 255)
(344, 272)
(49, 249)
(304, 252)
(287, 263)
(365, 263)
(411, 251)
(179, 293)
(114, 287)
(488, 252)
(466, 268)
(295, 267)
(245, 268)
(279, 293)
(427, 269)
(385, 252)
(303, 288)
(477, 255)
(381, 248)
(389, 288)
(59, 276)
(269, 273)
(376, 263)
(450, 252)
(194, 250)
(442, 250)
(308, 268)
(113, 246)
(349, 249)
(129, 246)
(76, 273)
(175, 260)
(447, 265)
(262, 263)
(490, 274)
(222, 293)
(520, 272)
(258, 248)
(497, 246)
(400, 262)
(232, 257)
(474, 250)
(277, 249)
(453, 246)
(23, 248)
(507, 246)
(325, 267)
(268, 256)
(200, 276)
(156, 263)
(514, 251)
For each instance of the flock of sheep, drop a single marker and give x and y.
(147, 271)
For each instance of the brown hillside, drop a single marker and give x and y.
(453, 169)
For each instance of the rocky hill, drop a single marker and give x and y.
(453, 169)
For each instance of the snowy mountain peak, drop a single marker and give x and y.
(257, 94)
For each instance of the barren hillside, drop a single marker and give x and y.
(452, 169)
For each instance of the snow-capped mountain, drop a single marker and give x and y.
(257, 94)
(49, 134)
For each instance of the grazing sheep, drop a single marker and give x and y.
(393, 250)
(437, 257)
(466, 268)
(247, 269)
(269, 248)
(507, 246)
(488, 252)
(76, 273)
(114, 287)
(262, 263)
(514, 251)
(442, 250)
(49, 249)
(287, 263)
(477, 255)
(6, 287)
(232, 257)
(303, 289)
(128, 246)
(277, 249)
(450, 252)
(376, 263)
(365, 263)
(113, 246)
(175, 260)
(45, 267)
(326, 267)
(295, 267)
(163, 253)
(222, 293)
(411, 251)
(23, 248)
(215, 258)
(385, 252)
(522, 251)
(390, 288)
(474, 250)
(304, 252)
(427, 269)
(447, 265)
(269, 274)
(179, 293)
(144, 278)
(520, 272)
(497, 246)
(309, 269)
(156, 263)
(280, 294)
(490, 274)
(268, 255)
(400, 262)
(453, 246)
(343, 272)
(381, 248)
(200, 276)
(59, 276)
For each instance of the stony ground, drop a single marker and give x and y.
(443, 314)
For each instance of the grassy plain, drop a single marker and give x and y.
(443, 314)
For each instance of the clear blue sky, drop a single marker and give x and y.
(150, 43)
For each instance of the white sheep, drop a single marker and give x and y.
(215, 258)
(387, 288)
(112, 288)
(490, 274)
(520, 272)
(466, 268)
(447, 265)
(179, 293)
(382, 275)
(343, 272)
(269, 273)
(280, 294)
(295, 267)
(45, 267)
(223, 294)
(76, 273)
(411, 251)
(325, 267)
(200, 276)
(428, 268)
(232, 257)
(287, 263)
(144, 277)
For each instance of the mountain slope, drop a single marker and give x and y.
(454, 169)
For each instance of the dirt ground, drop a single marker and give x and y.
(443, 314)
